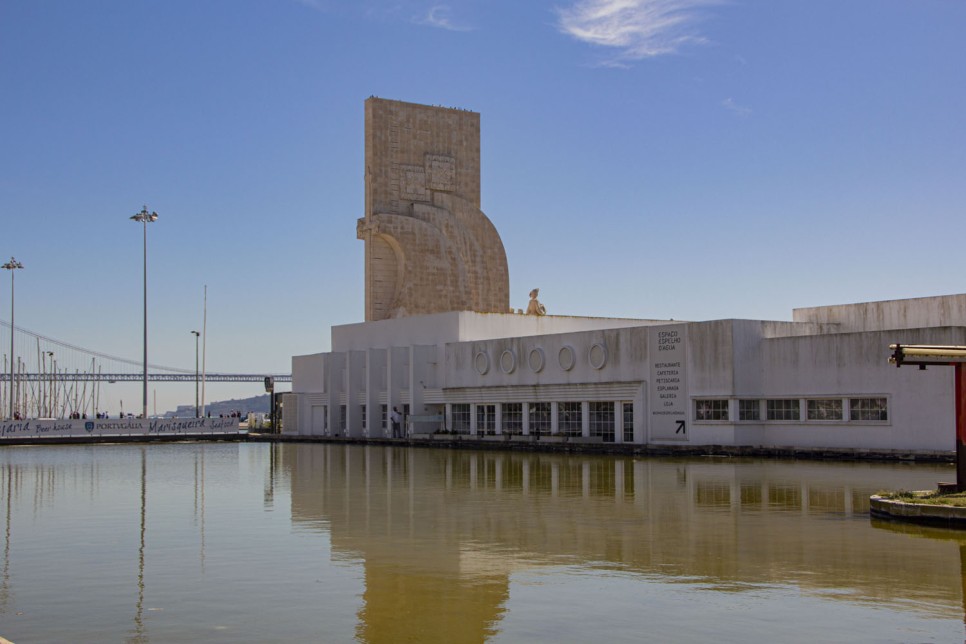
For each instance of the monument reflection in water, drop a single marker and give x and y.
(257, 542)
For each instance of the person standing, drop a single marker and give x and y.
(396, 419)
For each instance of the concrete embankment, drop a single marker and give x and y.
(595, 446)
(928, 514)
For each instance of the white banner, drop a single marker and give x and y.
(44, 428)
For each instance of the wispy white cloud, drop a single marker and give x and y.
(740, 110)
(440, 16)
(636, 29)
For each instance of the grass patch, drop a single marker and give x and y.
(956, 499)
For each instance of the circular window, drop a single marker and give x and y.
(508, 361)
(482, 362)
(536, 360)
(598, 356)
(566, 358)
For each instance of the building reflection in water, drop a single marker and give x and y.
(441, 532)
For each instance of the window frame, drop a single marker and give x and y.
(711, 410)
(796, 406)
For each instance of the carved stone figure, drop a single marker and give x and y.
(429, 247)
(535, 307)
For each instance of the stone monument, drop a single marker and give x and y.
(429, 247)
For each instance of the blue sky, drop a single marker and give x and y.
(686, 159)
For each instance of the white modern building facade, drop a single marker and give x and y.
(441, 344)
(821, 381)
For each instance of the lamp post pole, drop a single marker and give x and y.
(197, 407)
(11, 266)
(144, 217)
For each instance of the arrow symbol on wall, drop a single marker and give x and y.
(680, 429)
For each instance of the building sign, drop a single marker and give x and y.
(46, 428)
(668, 395)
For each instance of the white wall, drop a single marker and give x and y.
(922, 312)
(463, 326)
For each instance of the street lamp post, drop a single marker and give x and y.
(197, 407)
(11, 266)
(144, 217)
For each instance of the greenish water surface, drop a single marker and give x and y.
(240, 542)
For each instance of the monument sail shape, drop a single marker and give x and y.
(429, 247)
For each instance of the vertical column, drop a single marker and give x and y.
(618, 421)
(526, 418)
(355, 384)
(422, 376)
(473, 423)
(335, 373)
(585, 419)
(960, 398)
(397, 361)
(376, 379)
(499, 418)
(553, 418)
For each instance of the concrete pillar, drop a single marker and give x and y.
(397, 377)
(585, 419)
(355, 388)
(553, 418)
(423, 372)
(376, 365)
(526, 419)
(335, 375)
(618, 421)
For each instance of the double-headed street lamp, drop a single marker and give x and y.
(144, 217)
(11, 266)
(197, 407)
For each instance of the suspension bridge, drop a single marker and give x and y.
(44, 369)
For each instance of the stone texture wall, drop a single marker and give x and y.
(429, 247)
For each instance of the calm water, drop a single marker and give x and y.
(331, 543)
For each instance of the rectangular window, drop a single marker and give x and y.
(824, 409)
(342, 418)
(569, 418)
(602, 420)
(868, 409)
(628, 421)
(461, 418)
(749, 410)
(486, 419)
(539, 418)
(383, 418)
(711, 410)
(783, 409)
(365, 426)
(512, 418)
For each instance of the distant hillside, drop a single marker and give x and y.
(255, 404)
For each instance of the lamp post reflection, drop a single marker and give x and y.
(139, 613)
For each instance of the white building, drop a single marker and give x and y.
(820, 381)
